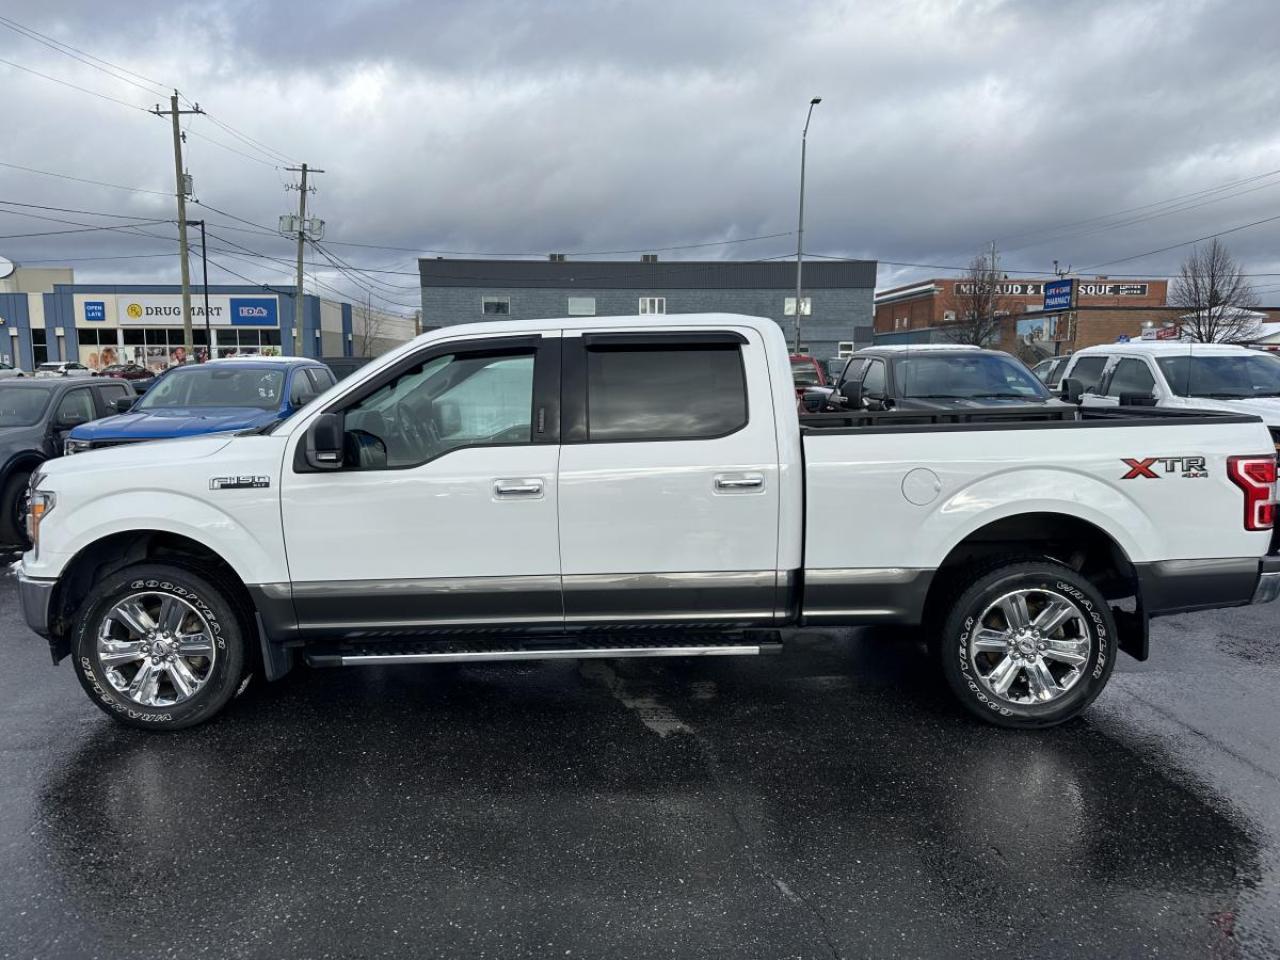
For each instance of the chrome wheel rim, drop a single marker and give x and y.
(156, 649)
(1030, 647)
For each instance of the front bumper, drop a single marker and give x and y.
(37, 597)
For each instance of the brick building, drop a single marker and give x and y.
(1106, 308)
(835, 320)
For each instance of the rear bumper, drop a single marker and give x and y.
(36, 597)
(1182, 586)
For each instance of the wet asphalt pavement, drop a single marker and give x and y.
(828, 802)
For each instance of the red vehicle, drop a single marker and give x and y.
(806, 372)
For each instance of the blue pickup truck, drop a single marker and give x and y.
(220, 395)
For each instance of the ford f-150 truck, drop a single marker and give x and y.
(613, 487)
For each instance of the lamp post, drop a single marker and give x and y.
(804, 137)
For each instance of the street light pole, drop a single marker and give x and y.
(804, 138)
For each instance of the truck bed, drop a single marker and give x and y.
(1031, 416)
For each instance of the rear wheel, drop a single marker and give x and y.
(1028, 644)
(13, 509)
(159, 646)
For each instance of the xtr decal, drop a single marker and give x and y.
(1191, 468)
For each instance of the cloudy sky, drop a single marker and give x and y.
(1088, 131)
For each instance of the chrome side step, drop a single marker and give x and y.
(350, 655)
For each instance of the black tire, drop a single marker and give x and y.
(13, 532)
(966, 671)
(210, 598)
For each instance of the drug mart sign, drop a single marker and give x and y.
(165, 310)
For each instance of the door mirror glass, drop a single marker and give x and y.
(851, 390)
(125, 404)
(1072, 390)
(324, 442)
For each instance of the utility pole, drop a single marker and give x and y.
(204, 264)
(804, 140)
(302, 239)
(182, 188)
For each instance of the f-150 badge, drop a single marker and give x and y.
(1192, 468)
(238, 483)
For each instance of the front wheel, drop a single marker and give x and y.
(13, 510)
(159, 647)
(1028, 645)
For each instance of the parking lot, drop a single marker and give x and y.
(829, 802)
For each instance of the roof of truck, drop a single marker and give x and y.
(1162, 347)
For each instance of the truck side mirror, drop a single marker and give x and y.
(125, 404)
(851, 390)
(324, 442)
(1072, 390)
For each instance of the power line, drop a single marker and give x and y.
(230, 149)
(1185, 243)
(76, 54)
(73, 86)
(89, 213)
(96, 183)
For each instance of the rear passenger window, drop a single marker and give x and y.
(1131, 376)
(665, 392)
(321, 378)
(1088, 370)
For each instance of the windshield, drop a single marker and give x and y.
(805, 373)
(968, 376)
(213, 386)
(20, 407)
(1224, 377)
(50, 366)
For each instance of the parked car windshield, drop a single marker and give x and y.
(1224, 376)
(967, 376)
(20, 407)
(804, 373)
(215, 386)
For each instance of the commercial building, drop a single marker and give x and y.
(835, 318)
(43, 319)
(1106, 309)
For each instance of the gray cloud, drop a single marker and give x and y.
(508, 127)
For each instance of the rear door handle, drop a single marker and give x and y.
(739, 481)
(524, 487)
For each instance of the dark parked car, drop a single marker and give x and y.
(127, 371)
(35, 417)
(932, 377)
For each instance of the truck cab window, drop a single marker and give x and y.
(1131, 376)
(1088, 370)
(873, 380)
(443, 404)
(665, 392)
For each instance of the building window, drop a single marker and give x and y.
(653, 305)
(582, 306)
(844, 349)
(495, 306)
(789, 307)
(39, 349)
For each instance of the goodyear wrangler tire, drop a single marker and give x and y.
(159, 647)
(1028, 645)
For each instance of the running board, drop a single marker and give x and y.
(351, 655)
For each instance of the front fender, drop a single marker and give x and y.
(1020, 491)
(250, 541)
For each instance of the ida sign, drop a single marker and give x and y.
(165, 310)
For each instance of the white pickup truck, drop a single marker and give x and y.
(611, 487)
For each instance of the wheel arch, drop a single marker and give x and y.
(1065, 538)
(118, 550)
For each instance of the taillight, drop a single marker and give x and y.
(1256, 476)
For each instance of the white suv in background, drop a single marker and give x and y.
(1204, 376)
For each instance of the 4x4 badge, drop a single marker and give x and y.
(238, 483)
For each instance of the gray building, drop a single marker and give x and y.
(838, 293)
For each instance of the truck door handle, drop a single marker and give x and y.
(512, 489)
(739, 481)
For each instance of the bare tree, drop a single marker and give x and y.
(1216, 295)
(371, 331)
(979, 302)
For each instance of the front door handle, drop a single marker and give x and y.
(524, 487)
(739, 481)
